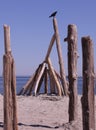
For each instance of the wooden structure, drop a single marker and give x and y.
(88, 112)
(10, 107)
(72, 71)
(45, 71)
(58, 82)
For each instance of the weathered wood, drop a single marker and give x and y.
(27, 88)
(10, 109)
(39, 77)
(7, 39)
(72, 71)
(10, 92)
(54, 77)
(88, 100)
(14, 101)
(32, 85)
(61, 62)
(58, 75)
(6, 93)
(50, 47)
(59, 79)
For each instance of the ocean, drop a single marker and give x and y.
(22, 80)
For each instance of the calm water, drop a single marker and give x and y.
(21, 81)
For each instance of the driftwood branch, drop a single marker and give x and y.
(50, 47)
(26, 86)
(32, 85)
(39, 77)
(41, 81)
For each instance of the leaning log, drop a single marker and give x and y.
(50, 47)
(61, 62)
(88, 100)
(41, 81)
(39, 77)
(32, 85)
(72, 71)
(54, 77)
(26, 86)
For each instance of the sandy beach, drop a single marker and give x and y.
(43, 113)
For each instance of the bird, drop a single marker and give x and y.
(53, 14)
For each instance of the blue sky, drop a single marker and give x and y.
(32, 29)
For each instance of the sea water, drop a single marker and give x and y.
(22, 80)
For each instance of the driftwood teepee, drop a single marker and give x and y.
(45, 72)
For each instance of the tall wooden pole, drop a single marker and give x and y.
(10, 105)
(72, 71)
(61, 62)
(88, 100)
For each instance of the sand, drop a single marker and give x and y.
(43, 113)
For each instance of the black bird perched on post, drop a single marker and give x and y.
(53, 14)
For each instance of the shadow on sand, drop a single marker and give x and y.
(37, 125)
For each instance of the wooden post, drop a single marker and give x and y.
(7, 94)
(88, 100)
(7, 39)
(10, 106)
(61, 62)
(72, 71)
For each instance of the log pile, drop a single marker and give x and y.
(46, 72)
